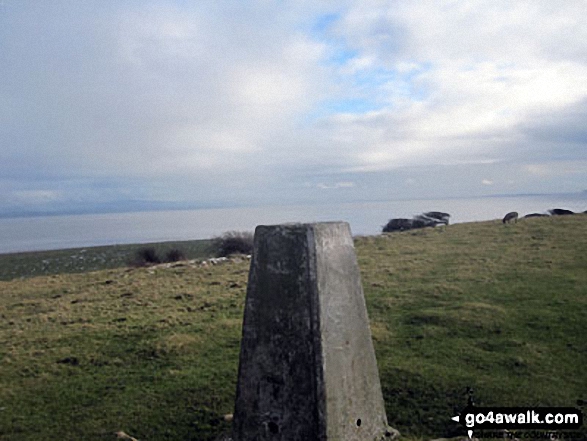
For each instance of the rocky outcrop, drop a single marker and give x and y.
(429, 219)
(438, 215)
(560, 212)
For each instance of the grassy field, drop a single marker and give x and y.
(154, 351)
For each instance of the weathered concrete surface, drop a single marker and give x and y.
(307, 366)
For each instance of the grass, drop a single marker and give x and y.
(154, 351)
(497, 308)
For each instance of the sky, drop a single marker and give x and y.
(121, 105)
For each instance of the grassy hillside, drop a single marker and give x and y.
(153, 352)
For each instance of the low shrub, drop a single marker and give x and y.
(147, 256)
(174, 255)
(232, 242)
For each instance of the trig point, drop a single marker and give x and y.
(307, 366)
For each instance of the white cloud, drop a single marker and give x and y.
(35, 196)
(485, 68)
(336, 185)
(176, 95)
(171, 86)
(556, 168)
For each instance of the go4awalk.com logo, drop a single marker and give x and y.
(508, 418)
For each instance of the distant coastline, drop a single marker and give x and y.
(133, 206)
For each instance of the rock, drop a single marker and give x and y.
(438, 215)
(122, 435)
(560, 212)
(398, 225)
(391, 434)
(429, 219)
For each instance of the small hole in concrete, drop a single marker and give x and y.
(273, 427)
(359, 422)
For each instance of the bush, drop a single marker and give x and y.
(175, 255)
(147, 256)
(233, 242)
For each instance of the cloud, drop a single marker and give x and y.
(36, 196)
(336, 185)
(474, 73)
(558, 168)
(245, 102)
(155, 88)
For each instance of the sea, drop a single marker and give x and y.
(365, 218)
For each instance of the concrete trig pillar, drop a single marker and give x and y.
(307, 366)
